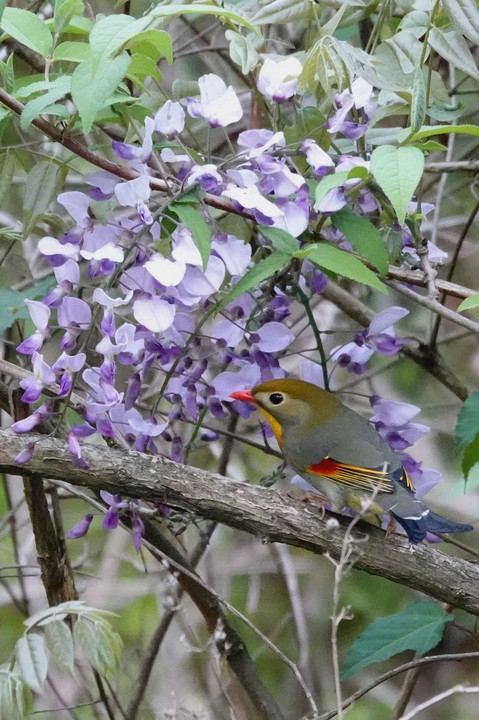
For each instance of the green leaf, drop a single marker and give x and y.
(41, 186)
(64, 11)
(110, 34)
(60, 644)
(221, 13)
(7, 170)
(464, 14)
(451, 46)
(100, 644)
(72, 51)
(280, 239)
(470, 457)
(242, 50)
(200, 229)
(430, 130)
(328, 183)
(12, 302)
(341, 262)
(364, 237)
(141, 67)
(418, 104)
(418, 627)
(58, 89)
(263, 270)
(397, 171)
(154, 44)
(16, 699)
(467, 426)
(282, 11)
(27, 28)
(91, 92)
(32, 661)
(469, 303)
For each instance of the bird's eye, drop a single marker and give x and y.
(276, 398)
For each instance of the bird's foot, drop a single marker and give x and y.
(318, 501)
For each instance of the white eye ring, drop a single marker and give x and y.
(276, 398)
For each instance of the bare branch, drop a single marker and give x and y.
(264, 512)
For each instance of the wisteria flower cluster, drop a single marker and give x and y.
(132, 311)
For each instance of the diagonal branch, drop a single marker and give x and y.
(264, 512)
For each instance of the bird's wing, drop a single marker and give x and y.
(361, 478)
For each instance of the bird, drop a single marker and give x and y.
(341, 455)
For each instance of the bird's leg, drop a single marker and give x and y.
(317, 500)
(392, 525)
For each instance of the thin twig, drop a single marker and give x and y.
(457, 690)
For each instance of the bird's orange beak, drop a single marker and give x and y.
(244, 395)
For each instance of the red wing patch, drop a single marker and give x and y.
(360, 478)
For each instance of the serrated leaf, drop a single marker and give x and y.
(397, 171)
(328, 183)
(470, 457)
(451, 46)
(467, 426)
(464, 14)
(200, 229)
(469, 303)
(418, 627)
(58, 89)
(12, 302)
(91, 92)
(60, 644)
(263, 270)
(27, 28)
(41, 187)
(280, 239)
(32, 661)
(364, 237)
(342, 263)
(16, 699)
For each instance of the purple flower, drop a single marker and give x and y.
(137, 528)
(41, 413)
(115, 503)
(279, 80)
(135, 193)
(81, 528)
(318, 159)
(218, 104)
(40, 315)
(379, 337)
(34, 384)
(24, 455)
(393, 422)
(207, 177)
(170, 119)
(58, 253)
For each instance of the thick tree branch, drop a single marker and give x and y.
(264, 512)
